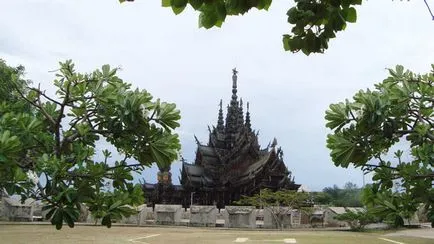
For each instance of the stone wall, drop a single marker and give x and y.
(185, 213)
(3, 216)
(203, 215)
(277, 217)
(168, 214)
(14, 210)
(240, 217)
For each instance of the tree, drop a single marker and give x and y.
(279, 203)
(357, 220)
(49, 153)
(11, 78)
(314, 22)
(391, 207)
(321, 198)
(398, 112)
(349, 196)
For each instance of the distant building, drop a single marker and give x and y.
(230, 165)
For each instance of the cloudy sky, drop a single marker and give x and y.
(176, 61)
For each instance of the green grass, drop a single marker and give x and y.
(47, 234)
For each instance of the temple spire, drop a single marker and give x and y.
(234, 86)
(220, 122)
(240, 115)
(248, 125)
(231, 127)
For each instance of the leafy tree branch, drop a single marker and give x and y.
(400, 109)
(48, 152)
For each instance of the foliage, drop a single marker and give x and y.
(321, 198)
(349, 196)
(399, 111)
(314, 23)
(267, 197)
(279, 203)
(11, 77)
(357, 220)
(391, 207)
(49, 153)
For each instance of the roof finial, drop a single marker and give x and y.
(234, 70)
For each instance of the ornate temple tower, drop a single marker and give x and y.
(232, 163)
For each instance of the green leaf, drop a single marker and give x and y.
(178, 5)
(106, 221)
(389, 205)
(196, 4)
(336, 115)
(208, 19)
(58, 218)
(69, 220)
(106, 70)
(264, 4)
(166, 3)
(71, 215)
(115, 205)
(177, 10)
(50, 213)
(220, 10)
(351, 15)
(344, 151)
(285, 40)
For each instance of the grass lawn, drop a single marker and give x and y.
(47, 234)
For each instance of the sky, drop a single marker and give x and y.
(175, 60)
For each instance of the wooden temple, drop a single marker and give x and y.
(230, 165)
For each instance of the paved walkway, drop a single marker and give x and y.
(424, 233)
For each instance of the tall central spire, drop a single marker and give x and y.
(234, 86)
(231, 127)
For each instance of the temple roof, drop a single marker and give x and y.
(232, 154)
(196, 175)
